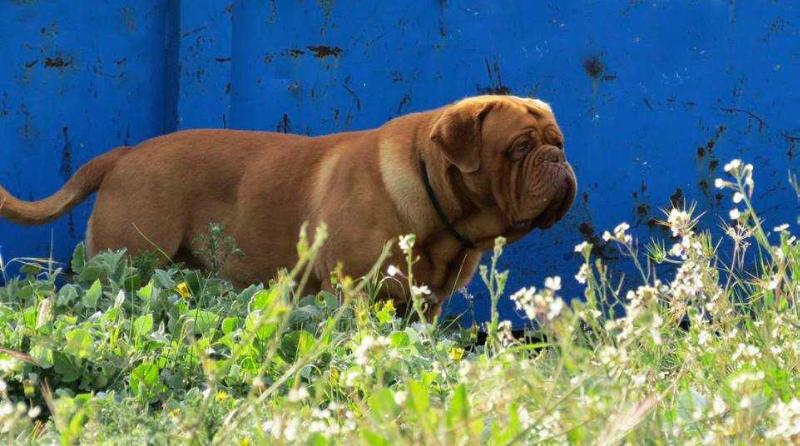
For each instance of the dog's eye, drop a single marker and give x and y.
(520, 149)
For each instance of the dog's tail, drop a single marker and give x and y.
(85, 181)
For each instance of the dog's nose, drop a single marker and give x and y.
(552, 154)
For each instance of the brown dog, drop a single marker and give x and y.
(457, 177)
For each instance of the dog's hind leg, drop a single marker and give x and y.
(116, 223)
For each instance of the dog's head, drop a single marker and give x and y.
(510, 154)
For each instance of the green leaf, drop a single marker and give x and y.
(399, 339)
(246, 294)
(67, 367)
(66, 295)
(194, 280)
(143, 325)
(263, 299)
(263, 329)
(79, 342)
(229, 324)
(458, 412)
(419, 403)
(92, 295)
(384, 316)
(382, 404)
(201, 321)
(163, 279)
(373, 439)
(42, 355)
(29, 316)
(145, 382)
(329, 300)
(146, 292)
(296, 344)
(104, 265)
(304, 316)
(504, 433)
(78, 258)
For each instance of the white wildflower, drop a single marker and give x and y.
(583, 274)
(787, 421)
(334, 406)
(621, 233)
(732, 166)
(611, 356)
(781, 228)
(718, 407)
(6, 409)
(703, 337)
(34, 411)
(297, 395)
(523, 300)
(738, 197)
(281, 428)
(745, 402)
(774, 281)
(777, 252)
(621, 228)
(120, 299)
(421, 290)
(407, 242)
(742, 378)
(351, 378)
(554, 308)
(679, 221)
(504, 333)
(368, 344)
(536, 304)
(553, 283)
(734, 214)
(392, 270)
(581, 247)
(524, 416)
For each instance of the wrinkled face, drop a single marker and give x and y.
(511, 155)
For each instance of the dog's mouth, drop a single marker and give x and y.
(563, 195)
(557, 208)
(522, 225)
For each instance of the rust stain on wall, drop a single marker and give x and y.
(322, 51)
(57, 62)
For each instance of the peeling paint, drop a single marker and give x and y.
(57, 62)
(596, 69)
(129, 18)
(283, 125)
(404, 101)
(322, 51)
(66, 155)
(677, 199)
(496, 85)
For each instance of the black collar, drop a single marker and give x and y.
(423, 171)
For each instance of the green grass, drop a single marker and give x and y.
(129, 354)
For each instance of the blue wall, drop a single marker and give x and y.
(654, 97)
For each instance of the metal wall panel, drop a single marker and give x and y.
(77, 79)
(654, 97)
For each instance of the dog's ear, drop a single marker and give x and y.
(458, 133)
